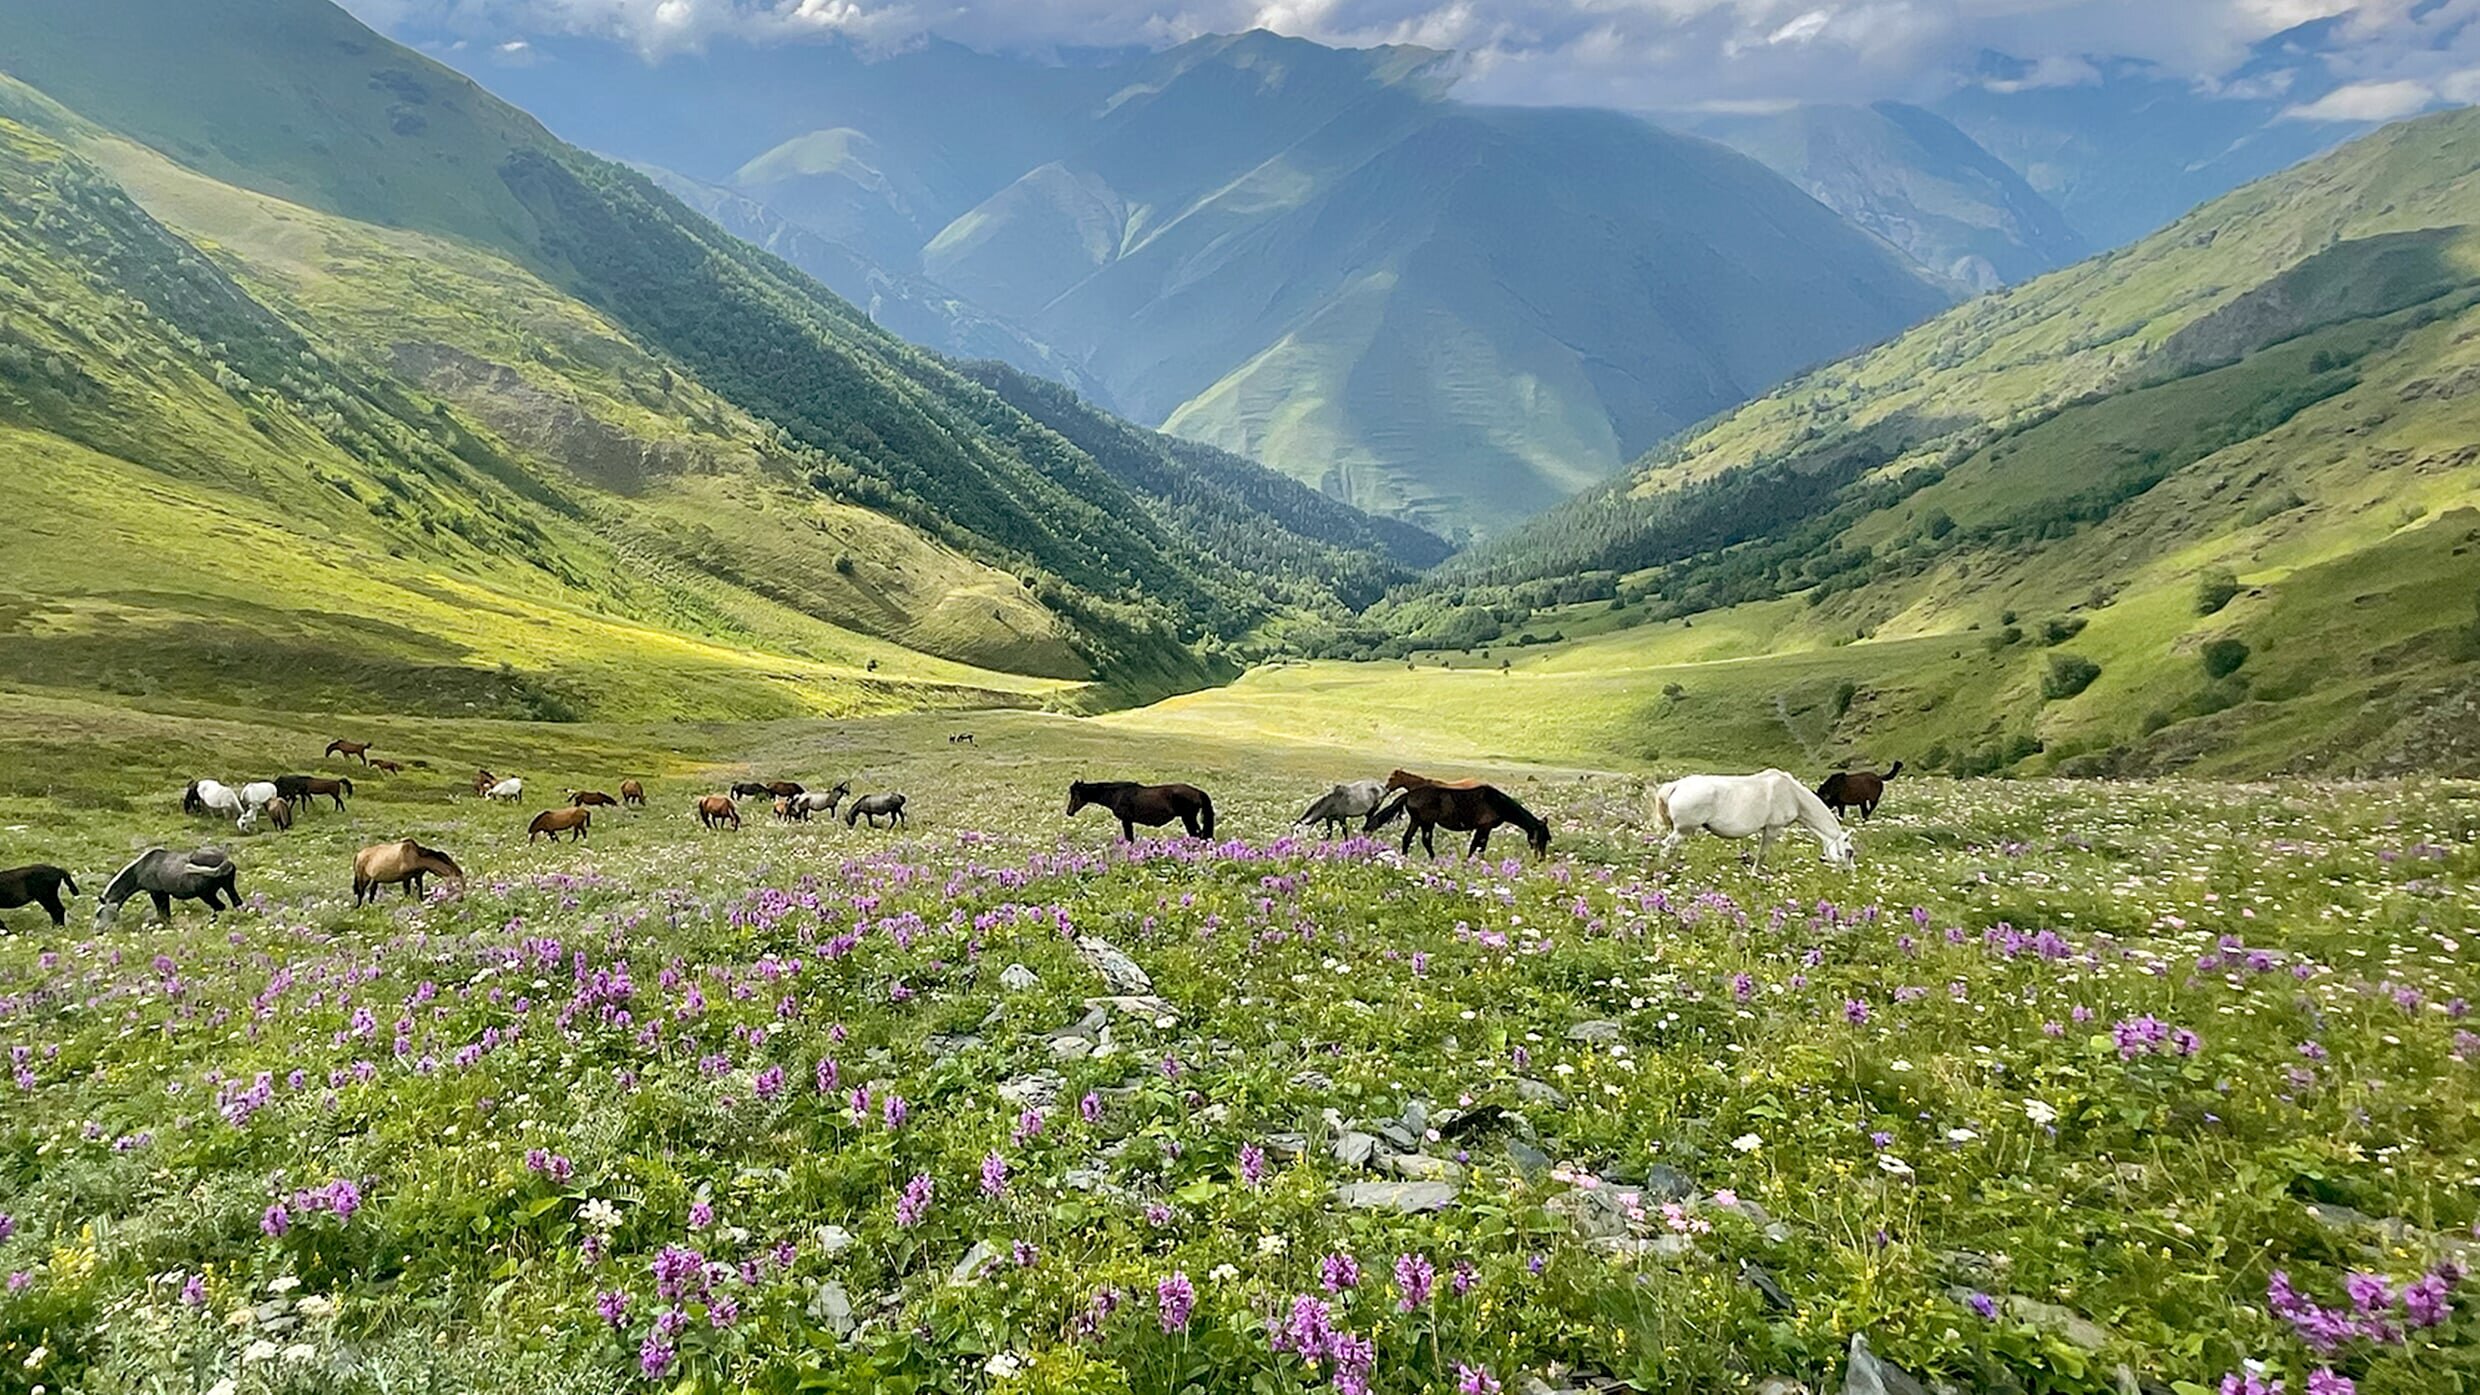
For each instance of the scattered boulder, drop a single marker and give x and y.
(1144, 1005)
(1529, 1160)
(831, 1307)
(968, 1269)
(1664, 1182)
(1285, 1147)
(1016, 978)
(1356, 1149)
(1406, 1197)
(1756, 1276)
(1541, 1092)
(1039, 1090)
(1594, 1212)
(1600, 1029)
(1118, 971)
(1421, 1167)
(1865, 1374)
(2078, 1329)
(834, 1239)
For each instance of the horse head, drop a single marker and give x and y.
(1080, 794)
(1839, 850)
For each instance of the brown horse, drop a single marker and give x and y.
(572, 821)
(591, 799)
(38, 885)
(301, 789)
(753, 789)
(279, 811)
(483, 780)
(404, 864)
(360, 750)
(1478, 809)
(1406, 780)
(1151, 805)
(715, 811)
(1856, 789)
(384, 767)
(632, 792)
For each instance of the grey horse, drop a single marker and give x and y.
(1353, 799)
(873, 806)
(205, 875)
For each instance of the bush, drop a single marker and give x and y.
(2214, 589)
(2068, 675)
(2057, 632)
(2222, 657)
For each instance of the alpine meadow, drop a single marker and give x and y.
(1516, 698)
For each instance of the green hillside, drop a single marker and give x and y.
(2209, 501)
(535, 374)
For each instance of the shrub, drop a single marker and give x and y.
(2222, 657)
(2059, 631)
(2214, 589)
(2068, 675)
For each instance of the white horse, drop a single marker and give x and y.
(1353, 799)
(1735, 806)
(254, 797)
(509, 789)
(214, 797)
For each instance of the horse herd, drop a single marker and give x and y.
(1762, 805)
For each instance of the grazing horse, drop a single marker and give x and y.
(1337, 807)
(1478, 809)
(302, 789)
(1856, 789)
(358, 749)
(800, 806)
(205, 875)
(214, 797)
(38, 885)
(715, 811)
(1406, 780)
(483, 780)
(1151, 805)
(755, 789)
(405, 864)
(872, 806)
(631, 792)
(573, 821)
(962, 738)
(279, 811)
(1735, 806)
(385, 767)
(508, 789)
(591, 799)
(258, 792)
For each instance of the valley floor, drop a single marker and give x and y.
(2066, 1086)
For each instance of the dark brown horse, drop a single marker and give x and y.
(715, 811)
(38, 885)
(591, 799)
(1151, 805)
(384, 767)
(359, 750)
(778, 789)
(1406, 780)
(1478, 809)
(572, 821)
(631, 792)
(1856, 789)
(301, 789)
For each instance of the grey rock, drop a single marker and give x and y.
(1016, 978)
(1119, 972)
(1537, 1385)
(1286, 1147)
(1039, 1090)
(1421, 1167)
(1972, 1268)
(1089, 1026)
(1780, 1385)
(1317, 1081)
(832, 1308)
(1756, 1276)
(1071, 1048)
(1529, 1160)
(1594, 1213)
(1653, 1247)
(1599, 1029)
(1402, 1139)
(834, 1239)
(1407, 1197)
(1664, 1182)
(2066, 1322)
(1541, 1092)
(1416, 1117)
(1865, 1374)
(1145, 1006)
(968, 1269)
(1355, 1149)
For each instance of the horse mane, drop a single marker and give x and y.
(114, 890)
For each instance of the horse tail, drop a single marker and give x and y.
(1662, 810)
(1897, 770)
(1205, 810)
(1387, 813)
(346, 782)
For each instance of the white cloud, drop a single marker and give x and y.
(2366, 101)
(1610, 52)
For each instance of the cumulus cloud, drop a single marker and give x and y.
(1636, 53)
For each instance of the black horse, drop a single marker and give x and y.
(1856, 789)
(301, 789)
(1479, 809)
(205, 875)
(1151, 805)
(38, 885)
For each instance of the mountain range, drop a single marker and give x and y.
(1313, 257)
(352, 386)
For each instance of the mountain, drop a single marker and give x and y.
(398, 402)
(1313, 257)
(1909, 176)
(2211, 499)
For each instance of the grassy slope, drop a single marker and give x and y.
(2083, 450)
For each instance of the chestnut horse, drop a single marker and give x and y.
(403, 864)
(384, 767)
(632, 792)
(1151, 805)
(1406, 780)
(591, 799)
(301, 789)
(715, 811)
(360, 750)
(1479, 809)
(1856, 789)
(573, 821)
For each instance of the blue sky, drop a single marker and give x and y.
(2397, 56)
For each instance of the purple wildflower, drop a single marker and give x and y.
(1414, 1275)
(1176, 1299)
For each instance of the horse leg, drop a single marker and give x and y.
(1480, 844)
(163, 906)
(51, 903)
(1765, 844)
(1127, 830)
(1428, 846)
